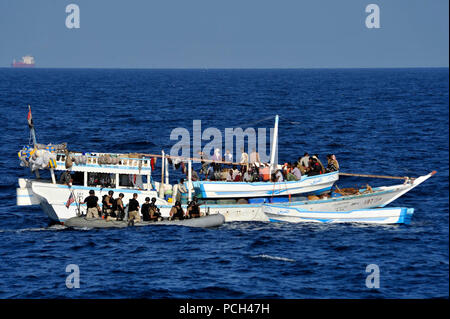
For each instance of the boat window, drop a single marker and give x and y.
(126, 180)
(132, 180)
(101, 180)
(78, 178)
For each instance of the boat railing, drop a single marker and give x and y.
(119, 160)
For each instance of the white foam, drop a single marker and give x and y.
(274, 258)
(54, 227)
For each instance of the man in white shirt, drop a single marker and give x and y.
(181, 189)
(217, 157)
(228, 156)
(304, 161)
(254, 157)
(244, 157)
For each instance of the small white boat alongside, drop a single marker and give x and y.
(376, 197)
(364, 207)
(393, 215)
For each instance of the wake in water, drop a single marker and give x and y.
(52, 227)
(274, 258)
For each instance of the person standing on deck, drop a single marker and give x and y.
(244, 157)
(217, 158)
(92, 205)
(181, 189)
(228, 156)
(254, 157)
(145, 210)
(133, 209)
(205, 165)
(65, 177)
(304, 163)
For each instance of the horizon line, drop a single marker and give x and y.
(231, 68)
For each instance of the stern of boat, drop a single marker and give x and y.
(25, 195)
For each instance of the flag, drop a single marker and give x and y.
(70, 200)
(29, 117)
(152, 163)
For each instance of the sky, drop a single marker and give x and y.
(226, 34)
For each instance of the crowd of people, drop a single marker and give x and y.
(114, 208)
(250, 169)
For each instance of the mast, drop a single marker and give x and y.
(166, 171)
(189, 180)
(274, 146)
(161, 187)
(33, 136)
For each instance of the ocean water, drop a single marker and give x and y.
(376, 121)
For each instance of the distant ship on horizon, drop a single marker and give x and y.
(27, 62)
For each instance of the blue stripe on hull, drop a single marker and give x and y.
(269, 193)
(196, 183)
(106, 189)
(405, 216)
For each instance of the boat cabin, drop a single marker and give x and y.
(106, 170)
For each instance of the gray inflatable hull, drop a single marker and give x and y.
(205, 221)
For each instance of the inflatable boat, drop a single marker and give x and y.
(205, 221)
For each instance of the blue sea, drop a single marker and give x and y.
(376, 121)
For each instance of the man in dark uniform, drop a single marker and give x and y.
(176, 212)
(108, 204)
(155, 214)
(193, 210)
(145, 210)
(133, 209)
(92, 205)
(118, 208)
